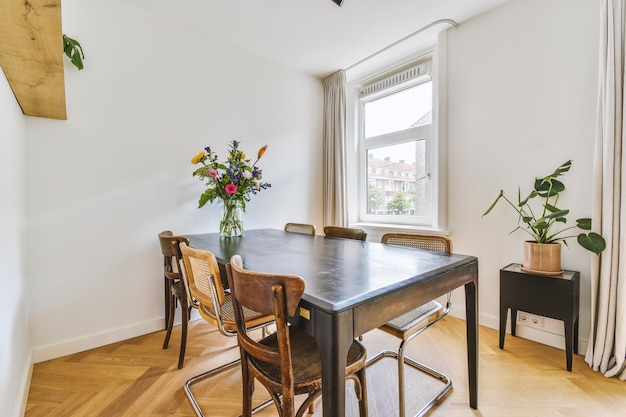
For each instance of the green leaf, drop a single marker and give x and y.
(592, 242)
(204, 198)
(494, 203)
(562, 169)
(541, 224)
(74, 51)
(551, 208)
(533, 194)
(557, 215)
(548, 187)
(584, 224)
(565, 166)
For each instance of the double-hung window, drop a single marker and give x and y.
(396, 146)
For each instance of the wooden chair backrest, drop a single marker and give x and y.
(171, 253)
(345, 232)
(411, 240)
(202, 273)
(307, 229)
(267, 294)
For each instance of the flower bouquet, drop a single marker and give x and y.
(233, 181)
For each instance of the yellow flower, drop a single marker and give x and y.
(237, 155)
(197, 158)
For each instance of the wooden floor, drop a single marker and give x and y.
(138, 378)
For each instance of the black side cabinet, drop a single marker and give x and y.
(556, 296)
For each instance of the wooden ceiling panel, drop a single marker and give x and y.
(31, 55)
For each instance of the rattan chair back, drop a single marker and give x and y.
(345, 232)
(428, 242)
(306, 229)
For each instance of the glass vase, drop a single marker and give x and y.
(232, 219)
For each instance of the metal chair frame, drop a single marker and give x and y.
(224, 331)
(419, 321)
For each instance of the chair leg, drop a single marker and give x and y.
(363, 394)
(400, 363)
(308, 403)
(208, 374)
(401, 359)
(183, 336)
(248, 390)
(170, 321)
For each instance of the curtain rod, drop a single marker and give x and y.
(449, 21)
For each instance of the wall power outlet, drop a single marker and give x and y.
(530, 320)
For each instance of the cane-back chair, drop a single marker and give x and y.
(287, 362)
(307, 229)
(345, 232)
(176, 292)
(409, 325)
(215, 306)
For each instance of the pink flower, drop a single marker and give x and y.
(212, 173)
(230, 189)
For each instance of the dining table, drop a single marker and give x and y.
(353, 287)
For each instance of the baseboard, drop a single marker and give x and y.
(57, 350)
(68, 347)
(24, 388)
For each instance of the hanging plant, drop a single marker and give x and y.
(74, 51)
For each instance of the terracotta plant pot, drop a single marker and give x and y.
(542, 258)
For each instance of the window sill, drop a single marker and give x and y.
(376, 230)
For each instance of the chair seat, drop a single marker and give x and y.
(307, 362)
(228, 315)
(407, 324)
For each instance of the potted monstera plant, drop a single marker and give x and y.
(546, 224)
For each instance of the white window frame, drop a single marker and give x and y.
(408, 75)
(377, 65)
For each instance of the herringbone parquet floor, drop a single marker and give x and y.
(137, 377)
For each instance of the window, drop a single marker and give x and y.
(396, 146)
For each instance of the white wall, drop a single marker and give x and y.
(101, 185)
(522, 100)
(104, 183)
(15, 356)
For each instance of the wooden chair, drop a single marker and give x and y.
(345, 232)
(215, 306)
(307, 229)
(176, 291)
(409, 325)
(287, 362)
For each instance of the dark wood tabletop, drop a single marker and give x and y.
(353, 287)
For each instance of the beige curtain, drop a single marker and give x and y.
(606, 351)
(335, 204)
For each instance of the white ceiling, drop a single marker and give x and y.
(314, 36)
